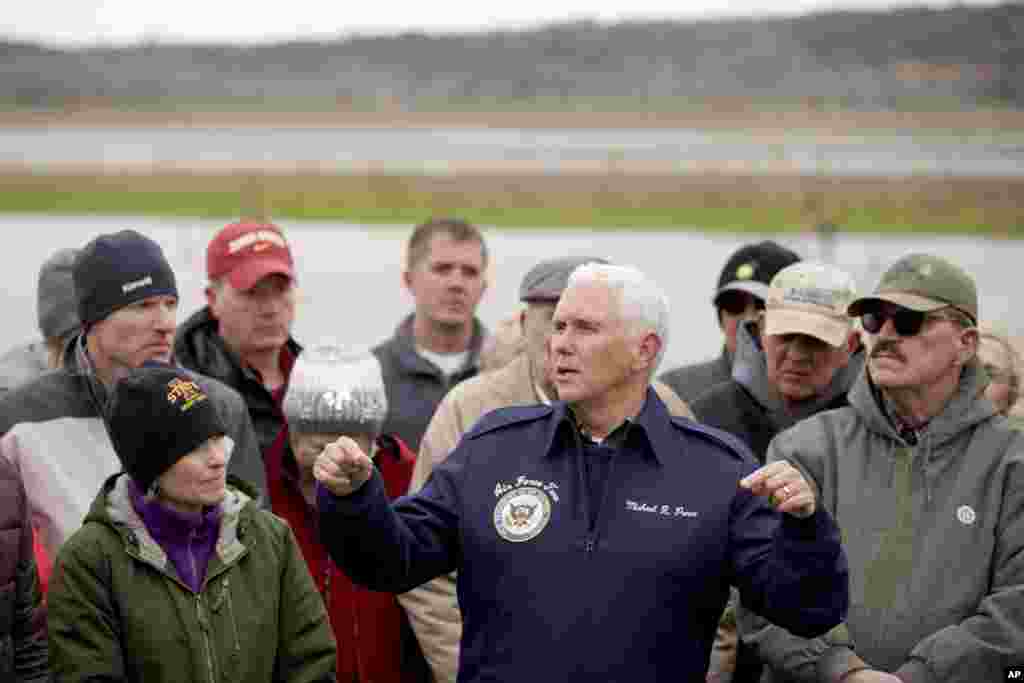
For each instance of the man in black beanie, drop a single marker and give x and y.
(54, 429)
(739, 295)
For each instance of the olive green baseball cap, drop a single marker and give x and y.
(922, 282)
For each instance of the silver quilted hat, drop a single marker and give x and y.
(335, 390)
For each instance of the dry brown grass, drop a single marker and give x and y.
(707, 200)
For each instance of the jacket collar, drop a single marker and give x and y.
(198, 344)
(652, 427)
(967, 407)
(404, 344)
(113, 507)
(750, 369)
(77, 363)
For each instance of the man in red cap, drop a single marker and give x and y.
(243, 336)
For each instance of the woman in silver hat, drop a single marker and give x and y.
(335, 392)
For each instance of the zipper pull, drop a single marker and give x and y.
(204, 623)
(219, 600)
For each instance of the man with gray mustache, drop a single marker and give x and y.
(927, 483)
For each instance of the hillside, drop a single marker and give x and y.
(970, 56)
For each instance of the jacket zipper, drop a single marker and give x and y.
(192, 556)
(204, 626)
(226, 593)
(593, 531)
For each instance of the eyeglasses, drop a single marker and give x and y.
(735, 303)
(906, 322)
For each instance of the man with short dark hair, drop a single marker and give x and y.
(573, 522)
(54, 428)
(242, 337)
(438, 345)
(739, 297)
(928, 486)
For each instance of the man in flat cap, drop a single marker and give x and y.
(739, 297)
(927, 483)
(433, 608)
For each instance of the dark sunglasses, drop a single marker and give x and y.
(906, 322)
(735, 303)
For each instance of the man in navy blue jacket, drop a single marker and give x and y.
(596, 538)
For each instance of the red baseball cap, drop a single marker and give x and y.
(247, 252)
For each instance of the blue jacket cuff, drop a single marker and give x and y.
(815, 527)
(351, 505)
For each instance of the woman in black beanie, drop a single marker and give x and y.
(176, 574)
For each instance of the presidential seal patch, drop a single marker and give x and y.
(522, 513)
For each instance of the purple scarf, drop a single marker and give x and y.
(187, 538)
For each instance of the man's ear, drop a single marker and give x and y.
(211, 299)
(853, 342)
(969, 339)
(647, 350)
(407, 279)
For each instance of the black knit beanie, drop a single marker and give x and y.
(159, 414)
(113, 271)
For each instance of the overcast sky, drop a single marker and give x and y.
(78, 22)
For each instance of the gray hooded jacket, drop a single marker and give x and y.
(749, 407)
(934, 534)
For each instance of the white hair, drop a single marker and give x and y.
(643, 305)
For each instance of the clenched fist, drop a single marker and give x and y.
(343, 467)
(786, 488)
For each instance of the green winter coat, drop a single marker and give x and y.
(118, 611)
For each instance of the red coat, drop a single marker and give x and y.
(367, 625)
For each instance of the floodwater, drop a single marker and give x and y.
(438, 150)
(350, 274)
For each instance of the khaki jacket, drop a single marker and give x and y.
(433, 608)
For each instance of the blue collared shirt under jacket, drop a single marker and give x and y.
(634, 595)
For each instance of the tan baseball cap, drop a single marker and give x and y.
(810, 298)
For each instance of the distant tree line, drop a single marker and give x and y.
(862, 59)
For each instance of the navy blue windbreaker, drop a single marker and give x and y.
(634, 596)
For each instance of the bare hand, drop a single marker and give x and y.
(343, 467)
(785, 487)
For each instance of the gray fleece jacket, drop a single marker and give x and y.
(934, 534)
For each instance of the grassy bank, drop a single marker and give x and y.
(991, 206)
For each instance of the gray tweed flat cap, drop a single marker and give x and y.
(547, 280)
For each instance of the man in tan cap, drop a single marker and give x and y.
(433, 608)
(796, 359)
(927, 485)
(794, 363)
